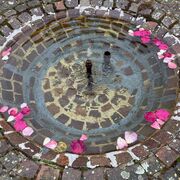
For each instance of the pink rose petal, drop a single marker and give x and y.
(121, 143)
(168, 55)
(6, 52)
(83, 137)
(28, 131)
(13, 111)
(10, 119)
(137, 33)
(145, 33)
(172, 65)
(77, 146)
(157, 41)
(5, 58)
(20, 125)
(23, 105)
(162, 114)
(131, 33)
(51, 144)
(150, 116)
(156, 125)
(145, 39)
(19, 116)
(167, 60)
(46, 140)
(130, 137)
(25, 110)
(3, 109)
(160, 122)
(163, 46)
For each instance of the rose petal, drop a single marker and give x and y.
(157, 41)
(121, 143)
(131, 33)
(5, 58)
(156, 125)
(20, 125)
(145, 39)
(51, 144)
(172, 65)
(150, 116)
(83, 137)
(167, 60)
(138, 33)
(130, 137)
(10, 119)
(3, 109)
(6, 52)
(28, 131)
(13, 111)
(162, 114)
(19, 116)
(168, 55)
(46, 140)
(160, 56)
(77, 146)
(146, 33)
(160, 122)
(23, 105)
(163, 46)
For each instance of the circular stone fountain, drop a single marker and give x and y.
(51, 77)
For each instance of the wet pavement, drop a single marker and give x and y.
(51, 42)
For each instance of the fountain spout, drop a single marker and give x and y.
(89, 75)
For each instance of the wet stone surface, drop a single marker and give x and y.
(119, 91)
(46, 69)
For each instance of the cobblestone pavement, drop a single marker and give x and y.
(50, 42)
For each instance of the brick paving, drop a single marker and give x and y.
(22, 27)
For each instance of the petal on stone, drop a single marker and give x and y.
(13, 111)
(19, 116)
(172, 65)
(51, 144)
(156, 125)
(83, 137)
(23, 105)
(131, 33)
(46, 140)
(163, 46)
(145, 39)
(77, 146)
(5, 58)
(150, 116)
(157, 41)
(130, 137)
(167, 60)
(10, 119)
(121, 143)
(25, 110)
(3, 109)
(160, 122)
(28, 131)
(162, 114)
(6, 52)
(20, 125)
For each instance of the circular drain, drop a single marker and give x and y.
(55, 82)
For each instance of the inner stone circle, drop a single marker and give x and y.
(127, 80)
